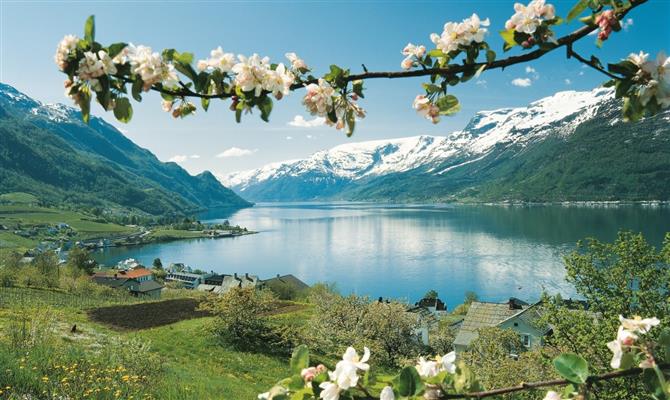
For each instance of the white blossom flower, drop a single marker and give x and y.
(469, 31)
(166, 105)
(90, 68)
(624, 340)
(648, 362)
(330, 391)
(551, 395)
(427, 368)
(448, 362)
(251, 73)
(407, 63)
(65, 47)
(351, 356)
(473, 31)
(278, 81)
(414, 50)
(150, 67)
(296, 62)
(218, 60)
(387, 393)
(426, 109)
(638, 59)
(637, 324)
(528, 18)
(107, 63)
(264, 396)
(319, 98)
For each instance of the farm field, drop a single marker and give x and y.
(27, 216)
(193, 364)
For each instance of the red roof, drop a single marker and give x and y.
(135, 273)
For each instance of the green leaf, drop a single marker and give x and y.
(653, 385)
(358, 88)
(431, 88)
(409, 382)
(448, 105)
(332, 116)
(136, 89)
(465, 380)
(626, 68)
(85, 105)
(186, 69)
(123, 110)
(627, 361)
(299, 359)
(664, 343)
(205, 103)
(437, 53)
(490, 56)
(572, 367)
(114, 49)
(577, 9)
(351, 123)
(185, 58)
(508, 37)
(89, 29)
(265, 105)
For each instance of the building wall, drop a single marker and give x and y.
(523, 328)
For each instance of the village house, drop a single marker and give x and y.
(228, 282)
(139, 281)
(515, 314)
(188, 280)
(284, 286)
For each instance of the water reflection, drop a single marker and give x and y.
(402, 251)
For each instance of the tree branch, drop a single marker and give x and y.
(566, 40)
(591, 63)
(554, 382)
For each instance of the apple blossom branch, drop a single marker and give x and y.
(566, 40)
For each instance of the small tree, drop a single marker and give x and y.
(241, 317)
(80, 260)
(431, 294)
(157, 264)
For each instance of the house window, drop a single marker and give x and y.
(525, 339)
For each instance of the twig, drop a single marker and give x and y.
(553, 382)
(590, 63)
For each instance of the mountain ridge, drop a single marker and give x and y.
(462, 165)
(67, 151)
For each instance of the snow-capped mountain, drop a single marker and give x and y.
(451, 166)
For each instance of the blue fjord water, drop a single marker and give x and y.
(402, 251)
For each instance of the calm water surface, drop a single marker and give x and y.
(403, 251)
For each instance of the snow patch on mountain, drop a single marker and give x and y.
(562, 112)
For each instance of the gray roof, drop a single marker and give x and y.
(289, 280)
(483, 315)
(148, 286)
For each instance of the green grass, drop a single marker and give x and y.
(196, 367)
(28, 216)
(168, 234)
(18, 198)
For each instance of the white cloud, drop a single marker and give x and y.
(309, 136)
(236, 152)
(289, 137)
(581, 73)
(522, 82)
(627, 24)
(300, 122)
(481, 82)
(533, 72)
(180, 158)
(567, 81)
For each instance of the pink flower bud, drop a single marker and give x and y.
(308, 374)
(628, 341)
(354, 96)
(320, 369)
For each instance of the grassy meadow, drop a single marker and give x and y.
(184, 359)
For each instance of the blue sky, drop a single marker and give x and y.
(347, 33)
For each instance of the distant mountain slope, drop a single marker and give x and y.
(567, 147)
(46, 150)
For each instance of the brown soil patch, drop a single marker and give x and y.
(147, 315)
